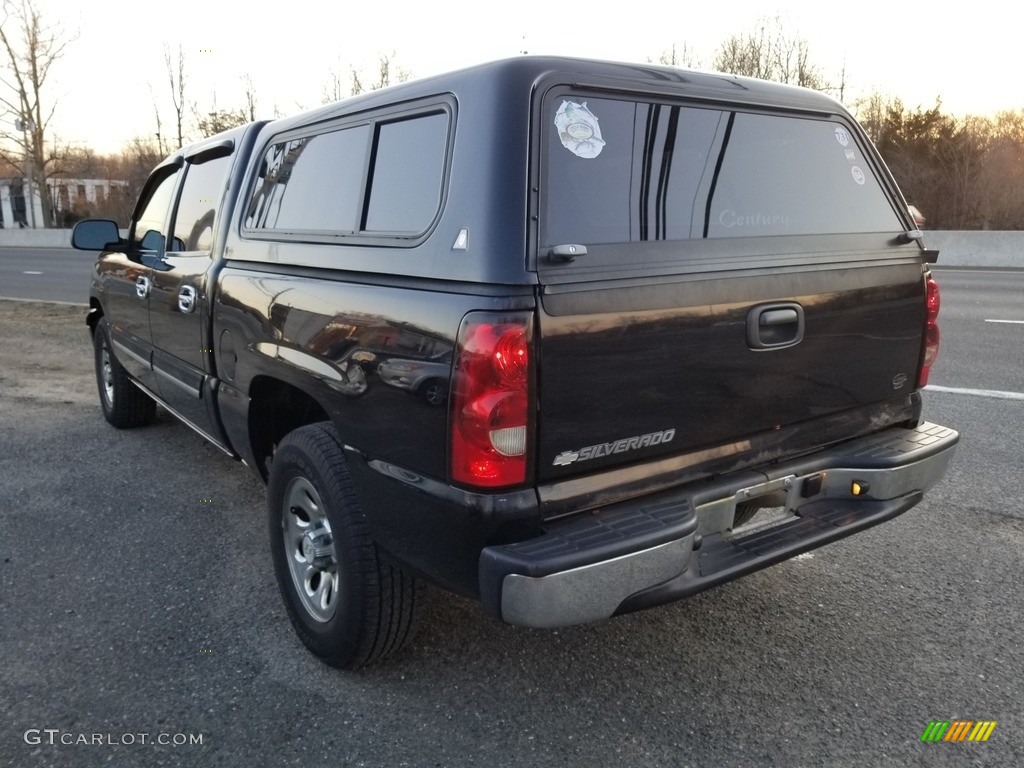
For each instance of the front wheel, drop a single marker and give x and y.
(124, 405)
(347, 603)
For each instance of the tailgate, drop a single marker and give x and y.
(710, 276)
(632, 373)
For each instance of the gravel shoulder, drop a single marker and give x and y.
(47, 354)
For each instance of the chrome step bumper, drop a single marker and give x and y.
(662, 548)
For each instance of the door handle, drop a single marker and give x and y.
(775, 326)
(142, 287)
(187, 299)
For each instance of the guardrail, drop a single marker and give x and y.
(956, 248)
(977, 248)
(35, 238)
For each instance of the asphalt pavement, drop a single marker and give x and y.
(49, 274)
(140, 624)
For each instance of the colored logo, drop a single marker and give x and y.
(958, 730)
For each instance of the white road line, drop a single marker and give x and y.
(31, 272)
(976, 392)
(1010, 322)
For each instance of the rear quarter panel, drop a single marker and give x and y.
(314, 333)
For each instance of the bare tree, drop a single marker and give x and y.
(218, 120)
(30, 48)
(387, 73)
(686, 57)
(769, 53)
(215, 120)
(357, 83)
(745, 54)
(250, 98)
(1002, 181)
(334, 90)
(839, 89)
(161, 143)
(176, 79)
(945, 165)
(132, 167)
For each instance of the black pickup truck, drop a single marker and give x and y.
(574, 338)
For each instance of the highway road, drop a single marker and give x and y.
(50, 274)
(137, 598)
(982, 323)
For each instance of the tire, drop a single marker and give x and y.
(124, 405)
(349, 605)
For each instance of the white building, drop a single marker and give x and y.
(18, 209)
(15, 210)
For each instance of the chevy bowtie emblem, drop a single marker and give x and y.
(566, 458)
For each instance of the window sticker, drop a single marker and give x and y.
(842, 136)
(578, 129)
(858, 175)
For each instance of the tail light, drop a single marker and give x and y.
(930, 349)
(490, 416)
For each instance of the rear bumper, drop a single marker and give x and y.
(662, 548)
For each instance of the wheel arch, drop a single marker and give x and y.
(95, 314)
(275, 409)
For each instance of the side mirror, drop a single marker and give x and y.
(97, 235)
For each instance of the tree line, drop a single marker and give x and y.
(960, 172)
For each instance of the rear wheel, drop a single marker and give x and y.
(124, 405)
(347, 603)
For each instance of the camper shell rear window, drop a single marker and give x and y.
(622, 170)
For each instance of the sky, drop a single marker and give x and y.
(112, 76)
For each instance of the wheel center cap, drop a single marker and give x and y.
(317, 546)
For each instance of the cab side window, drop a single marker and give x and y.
(150, 228)
(197, 205)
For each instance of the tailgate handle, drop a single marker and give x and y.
(778, 317)
(775, 326)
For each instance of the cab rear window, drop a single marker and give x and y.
(620, 171)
